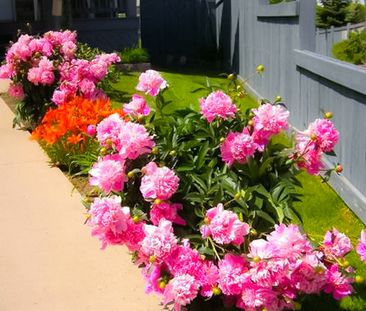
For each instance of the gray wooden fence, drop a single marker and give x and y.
(326, 38)
(282, 37)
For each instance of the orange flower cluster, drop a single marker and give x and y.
(72, 119)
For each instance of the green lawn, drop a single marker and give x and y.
(321, 209)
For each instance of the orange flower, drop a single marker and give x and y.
(74, 139)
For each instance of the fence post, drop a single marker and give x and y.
(131, 8)
(348, 29)
(307, 29)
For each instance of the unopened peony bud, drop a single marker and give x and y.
(231, 77)
(339, 168)
(278, 98)
(237, 195)
(103, 150)
(260, 68)
(155, 150)
(359, 279)
(206, 220)
(253, 232)
(131, 174)
(222, 139)
(173, 153)
(162, 284)
(135, 219)
(256, 259)
(152, 259)
(313, 137)
(328, 115)
(157, 201)
(91, 130)
(297, 305)
(250, 123)
(216, 291)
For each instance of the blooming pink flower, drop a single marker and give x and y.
(159, 241)
(134, 140)
(108, 130)
(287, 242)
(158, 182)
(68, 49)
(108, 219)
(181, 290)
(42, 46)
(6, 71)
(323, 132)
(237, 147)
(361, 247)
(152, 276)
(59, 97)
(87, 87)
(260, 249)
(217, 104)
(336, 244)
(137, 106)
(43, 73)
(269, 120)
(151, 82)
(108, 173)
(210, 278)
(254, 297)
(232, 274)
(16, 90)
(224, 226)
(168, 211)
(337, 284)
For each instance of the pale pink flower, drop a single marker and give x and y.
(68, 49)
(159, 241)
(59, 97)
(361, 247)
(43, 73)
(217, 105)
(158, 182)
(108, 173)
(87, 87)
(336, 244)
(16, 90)
(42, 46)
(232, 274)
(134, 140)
(260, 249)
(288, 242)
(6, 71)
(237, 147)
(269, 120)
(323, 132)
(224, 226)
(137, 106)
(151, 82)
(181, 290)
(337, 284)
(168, 211)
(108, 130)
(108, 219)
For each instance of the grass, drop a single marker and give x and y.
(321, 208)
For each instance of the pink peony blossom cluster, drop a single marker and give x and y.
(52, 61)
(16, 90)
(137, 107)
(268, 120)
(320, 137)
(217, 105)
(224, 226)
(151, 83)
(361, 247)
(158, 182)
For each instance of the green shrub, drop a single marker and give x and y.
(352, 50)
(356, 13)
(134, 55)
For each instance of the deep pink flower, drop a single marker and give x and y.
(16, 90)
(87, 87)
(168, 211)
(288, 242)
(152, 275)
(323, 132)
(217, 104)
(254, 297)
(269, 120)
(224, 226)
(108, 219)
(108, 173)
(108, 130)
(151, 82)
(6, 71)
(68, 49)
(158, 182)
(337, 284)
(91, 130)
(159, 241)
(181, 290)
(232, 274)
(237, 147)
(59, 97)
(137, 106)
(210, 278)
(361, 247)
(336, 244)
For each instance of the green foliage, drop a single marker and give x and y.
(85, 51)
(278, 1)
(134, 55)
(356, 13)
(332, 13)
(352, 50)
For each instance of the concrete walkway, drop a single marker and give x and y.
(48, 260)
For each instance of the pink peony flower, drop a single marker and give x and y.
(159, 241)
(237, 147)
(217, 104)
(108, 219)
(6, 71)
(232, 276)
(133, 141)
(43, 73)
(254, 297)
(287, 242)
(337, 284)
(108, 173)
(16, 90)
(260, 249)
(87, 87)
(59, 97)
(68, 49)
(323, 132)
(336, 244)
(137, 106)
(224, 226)
(361, 247)
(269, 120)
(152, 276)
(168, 211)
(181, 290)
(151, 82)
(158, 182)
(109, 129)
(210, 280)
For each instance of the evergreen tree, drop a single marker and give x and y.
(332, 13)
